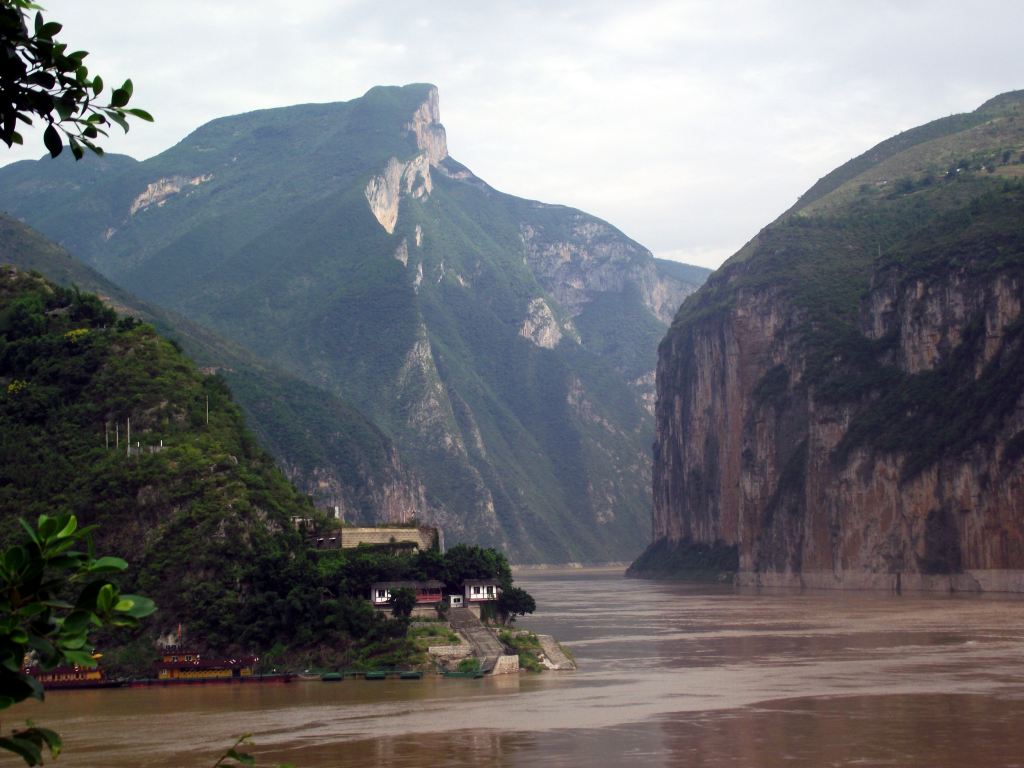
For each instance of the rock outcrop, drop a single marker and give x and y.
(843, 402)
(591, 257)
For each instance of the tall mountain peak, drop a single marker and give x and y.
(426, 126)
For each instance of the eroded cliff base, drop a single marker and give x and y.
(982, 580)
(687, 560)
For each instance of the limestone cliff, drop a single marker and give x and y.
(589, 256)
(843, 402)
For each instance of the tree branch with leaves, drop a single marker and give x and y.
(41, 78)
(51, 596)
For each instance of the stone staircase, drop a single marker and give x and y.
(486, 646)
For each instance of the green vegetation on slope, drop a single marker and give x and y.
(313, 432)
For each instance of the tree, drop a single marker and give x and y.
(51, 596)
(403, 600)
(39, 77)
(513, 602)
(465, 561)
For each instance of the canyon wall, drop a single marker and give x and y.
(843, 402)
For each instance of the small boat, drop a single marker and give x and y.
(410, 674)
(332, 677)
(377, 674)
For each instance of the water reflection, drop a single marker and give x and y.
(670, 675)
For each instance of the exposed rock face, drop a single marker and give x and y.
(762, 474)
(390, 495)
(875, 448)
(594, 257)
(412, 178)
(426, 125)
(157, 193)
(540, 325)
(384, 192)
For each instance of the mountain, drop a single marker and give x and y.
(323, 444)
(199, 511)
(842, 403)
(506, 346)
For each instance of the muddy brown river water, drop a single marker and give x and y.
(670, 675)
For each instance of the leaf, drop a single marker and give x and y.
(30, 530)
(81, 658)
(242, 757)
(140, 606)
(105, 599)
(49, 29)
(141, 114)
(28, 751)
(97, 85)
(75, 622)
(69, 527)
(119, 97)
(51, 739)
(107, 564)
(118, 118)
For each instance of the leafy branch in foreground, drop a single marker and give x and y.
(51, 596)
(233, 757)
(39, 76)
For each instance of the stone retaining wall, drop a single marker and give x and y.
(353, 537)
(450, 651)
(506, 665)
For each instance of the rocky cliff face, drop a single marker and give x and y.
(843, 402)
(386, 494)
(589, 257)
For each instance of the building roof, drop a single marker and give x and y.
(432, 584)
(481, 582)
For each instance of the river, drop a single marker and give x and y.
(670, 675)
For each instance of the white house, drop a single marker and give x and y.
(481, 590)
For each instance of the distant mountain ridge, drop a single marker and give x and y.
(506, 346)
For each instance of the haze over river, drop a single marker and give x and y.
(669, 675)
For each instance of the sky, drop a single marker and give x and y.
(689, 125)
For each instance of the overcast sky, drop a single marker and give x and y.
(689, 125)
